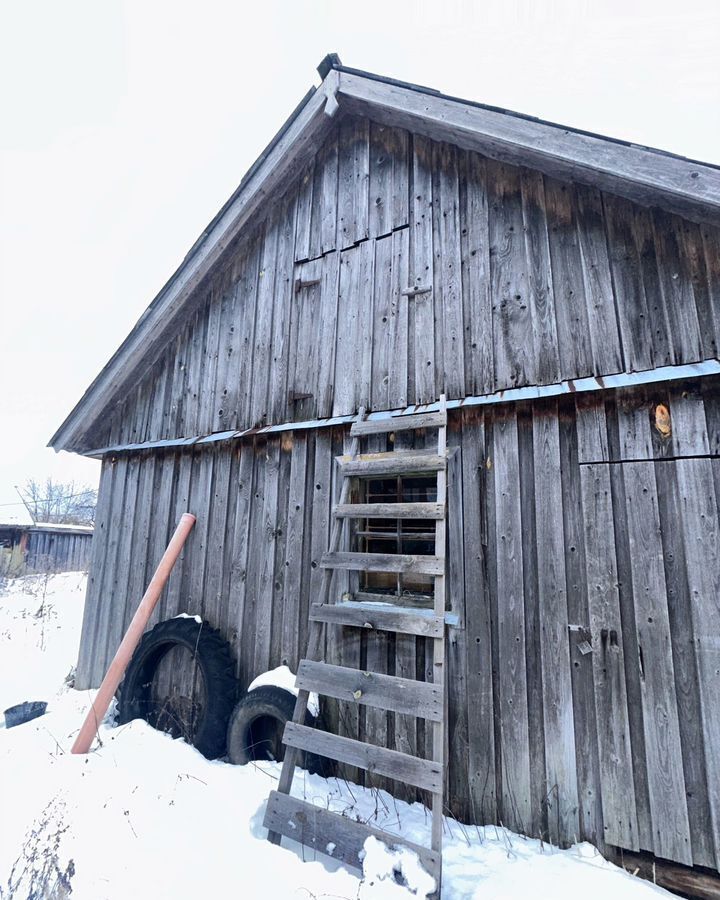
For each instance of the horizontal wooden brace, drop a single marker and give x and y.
(421, 773)
(394, 463)
(399, 423)
(370, 616)
(384, 562)
(390, 511)
(401, 695)
(319, 828)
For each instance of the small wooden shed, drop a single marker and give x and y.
(563, 289)
(44, 547)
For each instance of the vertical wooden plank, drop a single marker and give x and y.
(305, 347)
(573, 328)
(458, 752)
(353, 367)
(213, 599)
(711, 247)
(515, 363)
(283, 299)
(539, 277)
(422, 315)
(246, 310)
(265, 559)
(141, 535)
(602, 317)
(174, 598)
(162, 522)
(513, 710)
(304, 214)
(390, 323)
(449, 299)
(262, 350)
(674, 528)
(671, 833)
(353, 181)
(198, 544)
(95, 599)
(617, 784)
(118, 588)
(540, 791)
(244, 512)
(630, 300)
(676, 287)
(701, 535)
(692, 252)
(649, 265)
(584, 713)
(224, 412)
(481, 738)
(293, 563)
(323, 226)
(208, 383)
(388, 179)
(559, 725)
(328, 331)
(475, 248)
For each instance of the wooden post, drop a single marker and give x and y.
(117, 668)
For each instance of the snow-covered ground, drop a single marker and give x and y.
(144, 816)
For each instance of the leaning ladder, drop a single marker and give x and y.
(301, 821)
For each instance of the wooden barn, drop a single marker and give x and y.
(562, 289)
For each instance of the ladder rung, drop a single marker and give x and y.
(369, 616)
(399, 423)
(384, 562)
(398, 462)
(318, 828)
(390, 511)
(401, 695)
(421, 773)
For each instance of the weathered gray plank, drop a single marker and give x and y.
(448, 271)
(376, 760)
(391, 510)
(353, 361)
(559, 727)
(389, 386)
(243, 497)
(701, 535)
(353, 181)
(515, 362)
(541, 296)
(660, 712)
(602, 318)
(376, 618)
(477, 303)
(417, 698)
(512, 689)
(617, 793)
(293, 563)
(391, 463)
(320, 829)
(634, 319)
(384, 562)
(422, 316)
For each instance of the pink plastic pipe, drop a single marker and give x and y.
(114, 674)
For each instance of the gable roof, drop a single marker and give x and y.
(642, 174)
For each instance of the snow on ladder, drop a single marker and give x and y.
(301, 821)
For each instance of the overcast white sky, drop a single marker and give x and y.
(125, 126)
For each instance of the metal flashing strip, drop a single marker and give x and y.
(513, 395)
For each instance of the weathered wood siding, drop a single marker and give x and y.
(514, 279)
(57, 551)
(584, 558)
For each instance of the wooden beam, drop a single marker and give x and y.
(320, 829)
(394, 463)
(374, 617)
(684, 880)
(383, 562)
(399, 423)
(401, 695)
(422, 773)
(390, 511)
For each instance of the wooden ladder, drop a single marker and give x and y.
(301, 821)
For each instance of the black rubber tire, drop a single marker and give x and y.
(214, 658)
(257, 724)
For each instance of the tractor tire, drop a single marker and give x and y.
(256, 729)
(204, 727)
